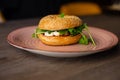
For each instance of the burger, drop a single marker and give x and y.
(57, 30)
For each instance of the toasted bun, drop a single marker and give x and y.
(55, 22)
(59, 40)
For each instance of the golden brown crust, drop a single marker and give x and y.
(59, 40)
(55, 22)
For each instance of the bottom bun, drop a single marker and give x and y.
(59, 40)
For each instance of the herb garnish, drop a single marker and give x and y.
(62, 15)
(84, 39)
(91, 38)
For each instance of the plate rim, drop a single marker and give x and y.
(28, 49)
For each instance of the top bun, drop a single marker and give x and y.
(55, 22)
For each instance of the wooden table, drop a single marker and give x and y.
(16, 64)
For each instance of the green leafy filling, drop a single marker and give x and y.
(72, 32)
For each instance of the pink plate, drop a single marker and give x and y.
(22, 39)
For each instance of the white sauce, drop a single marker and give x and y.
(55, 33)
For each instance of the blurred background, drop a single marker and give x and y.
(25, 9)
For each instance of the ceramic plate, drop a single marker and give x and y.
(22, 39)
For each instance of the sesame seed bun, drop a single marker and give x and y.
(55, 22)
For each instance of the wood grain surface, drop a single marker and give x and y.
(16, 64)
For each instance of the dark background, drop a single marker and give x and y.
(21, 9)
